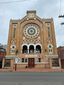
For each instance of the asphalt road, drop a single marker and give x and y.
(31, 78)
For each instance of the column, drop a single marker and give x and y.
(21, 50)
(28, 51)
(41, 50)
(59, 62)
(3, 63)
(50, 63)
(12, 63)
(35, 51)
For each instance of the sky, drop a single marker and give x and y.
(44, 9)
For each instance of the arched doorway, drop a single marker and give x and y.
(24, 49)
(38, 49)
(31, 49)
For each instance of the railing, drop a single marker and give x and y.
(33, 52)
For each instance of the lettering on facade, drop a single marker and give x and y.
(30, 55)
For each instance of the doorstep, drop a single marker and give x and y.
(56, 68)
(7, 68)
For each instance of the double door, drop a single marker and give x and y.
(30, 62)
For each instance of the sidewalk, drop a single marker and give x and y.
(34, 70)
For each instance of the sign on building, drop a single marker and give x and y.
(18, 60)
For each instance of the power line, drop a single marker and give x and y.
(60, 36)
(61, 16)
(12, 2)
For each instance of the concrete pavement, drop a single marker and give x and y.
(31, 78)
(35, 70)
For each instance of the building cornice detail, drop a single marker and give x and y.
(23, 19)
(39, 18)
(27, 18)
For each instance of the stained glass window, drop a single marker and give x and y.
(48, 33)
(14, 33)
(50, 48)
(13, 51)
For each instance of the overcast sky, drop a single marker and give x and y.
(44, 9)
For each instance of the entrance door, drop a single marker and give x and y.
(30, 62)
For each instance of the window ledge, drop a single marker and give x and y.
(31, 53)
(41, 62)
(20, 63)
(12, 53)
(50, 52)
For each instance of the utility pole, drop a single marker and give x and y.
(16, 60)
(61, 16)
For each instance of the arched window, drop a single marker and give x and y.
(14, 33)
(38, 49)
(13, 49)
(31, 49)
(24, 50)
(50, 49)
(48, 32)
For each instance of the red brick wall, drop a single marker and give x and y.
(62, 63)
(2, 55)
(60, 53)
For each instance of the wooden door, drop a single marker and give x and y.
(30, 62)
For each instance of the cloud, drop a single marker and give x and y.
(44, 9)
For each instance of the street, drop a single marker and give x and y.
(31, 78)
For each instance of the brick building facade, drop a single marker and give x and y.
(61, 55)
(34, 40)
(2, 54)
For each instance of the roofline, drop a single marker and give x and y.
(34, 11)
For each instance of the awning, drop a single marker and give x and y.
(52, 55)
(10, 56)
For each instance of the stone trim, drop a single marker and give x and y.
(27, 22)
(50, 44)
(21, 63)
(41, 62)
(10, 56)
(28, 45)
(12, 45)
(51, 55)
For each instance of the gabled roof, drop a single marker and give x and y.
(26, 17)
